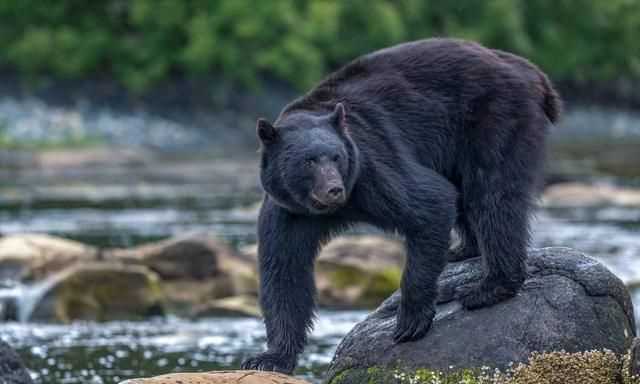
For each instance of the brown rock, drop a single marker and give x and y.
(220, 377)
(364, 250)
(188, 257)
(195, 269)
(235, 306)
(581, 195)
(34, 256)
(100, 292)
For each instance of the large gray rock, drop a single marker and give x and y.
(569, 302)
(12, 371)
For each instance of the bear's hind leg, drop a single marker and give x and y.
(468, 245)
(499, 220)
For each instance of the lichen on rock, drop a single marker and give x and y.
(591, 367)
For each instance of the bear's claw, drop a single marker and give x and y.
(412, 326)
(269, 361)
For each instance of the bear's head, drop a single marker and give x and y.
(309, 160)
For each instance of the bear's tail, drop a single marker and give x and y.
(551, 102)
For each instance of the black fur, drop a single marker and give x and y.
(424, 136)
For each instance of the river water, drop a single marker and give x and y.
(117, 213)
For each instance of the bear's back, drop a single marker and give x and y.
(452, 67)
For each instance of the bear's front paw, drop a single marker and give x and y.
(270, 361)
(484, 294)
(412, 325)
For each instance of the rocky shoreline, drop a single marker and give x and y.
(58, 280)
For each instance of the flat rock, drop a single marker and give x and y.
(569, 302)
(220, 377)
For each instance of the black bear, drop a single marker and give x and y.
(419, 138)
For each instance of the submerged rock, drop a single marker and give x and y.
(100, 292)
(220, 377)
(12, 371)
(569, 302)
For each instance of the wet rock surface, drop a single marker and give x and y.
(220, 377)
(569, 302)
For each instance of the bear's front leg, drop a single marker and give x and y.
(426, 226)
(425, 262)
(287, 247)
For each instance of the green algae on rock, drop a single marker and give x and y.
(100, 292)
(592, 367)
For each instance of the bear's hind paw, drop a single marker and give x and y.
(270, 361)
(413, 326)
(474, 296)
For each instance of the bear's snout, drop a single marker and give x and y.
(329, 191)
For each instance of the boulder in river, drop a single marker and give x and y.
(569, 303)
(33, 256)
(194, 269)
(359, 271)
(100, 292)
(12, 371)
(198, 256)
(220, 377)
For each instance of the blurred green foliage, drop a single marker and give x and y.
(141, 42)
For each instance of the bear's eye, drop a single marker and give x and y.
(335, 158)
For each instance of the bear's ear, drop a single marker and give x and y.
(266, 132)
(339, 118)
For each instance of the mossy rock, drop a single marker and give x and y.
(100, 292)
(594, 367)
(342, 285)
